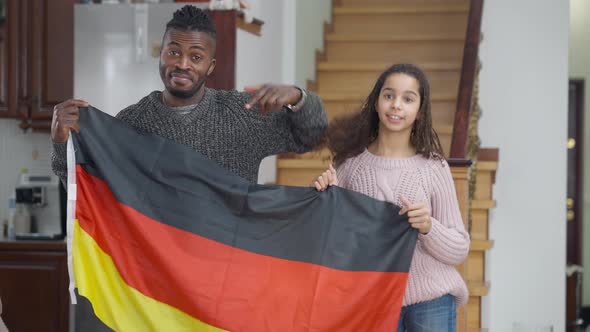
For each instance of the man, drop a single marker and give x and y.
(235, 129)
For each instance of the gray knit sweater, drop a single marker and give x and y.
(220, 128)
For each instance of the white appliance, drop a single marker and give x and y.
(41, 200)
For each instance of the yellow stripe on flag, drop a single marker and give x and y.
(115, 303)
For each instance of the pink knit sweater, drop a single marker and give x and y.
(432, 272)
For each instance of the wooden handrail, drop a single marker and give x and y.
(459, 162)
(254, 28)
(467, 82)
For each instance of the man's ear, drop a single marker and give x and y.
(211, 67)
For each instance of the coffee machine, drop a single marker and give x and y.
(43, 198)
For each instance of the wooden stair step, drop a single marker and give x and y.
(477, 204)
(442, 112)
(481, 245)
(478, 288)
(301, 163)
(444, 130)
(362, 83)
(359, 78)
(347, 97)
(352, 3)
(394, 52)
(473, 267)
(487, 166)
(485, 178)
(322, 155)
(402, 9)
(337, 104)
(361, 38)
(418, 19)
(379, 67)
(479, 224)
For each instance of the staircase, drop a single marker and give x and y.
(364, 38)
(367, 36)
(473, 270)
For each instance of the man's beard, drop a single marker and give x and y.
(183, 94)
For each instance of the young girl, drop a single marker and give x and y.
(390, 151)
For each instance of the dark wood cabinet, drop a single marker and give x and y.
(8, 68)
(37, 59)
(224, 77)
(33, 286)
(3, 73)
(51, 57)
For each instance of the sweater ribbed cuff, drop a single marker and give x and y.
(60, 148)
(302, 104)
(443, 245)
(434, 231)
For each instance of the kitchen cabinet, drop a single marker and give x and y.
(8, 69)
(46, 58)
(34, 285)
(37, 59)
(4, 109)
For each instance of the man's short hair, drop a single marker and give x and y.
(191, 18)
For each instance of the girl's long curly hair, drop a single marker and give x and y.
(348, 136)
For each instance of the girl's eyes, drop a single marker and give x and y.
(406, 99)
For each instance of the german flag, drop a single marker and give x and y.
(165, 239)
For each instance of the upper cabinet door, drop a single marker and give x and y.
(22, 46)
(224, 75)
(47, 37)
(8, 69)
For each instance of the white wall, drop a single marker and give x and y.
(580, 69)
(523, 94)
(310, 18)
(106, 71)
(260, 60)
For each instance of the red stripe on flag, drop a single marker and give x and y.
(232, 288)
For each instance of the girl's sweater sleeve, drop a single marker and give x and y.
(447, 241)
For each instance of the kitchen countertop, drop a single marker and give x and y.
(24, 245)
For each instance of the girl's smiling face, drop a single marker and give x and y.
(399, 103)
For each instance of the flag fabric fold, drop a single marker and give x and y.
(165, 239)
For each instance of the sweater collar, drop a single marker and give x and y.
(203, 106)
(415, 161)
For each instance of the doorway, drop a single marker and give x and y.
(574, 204)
